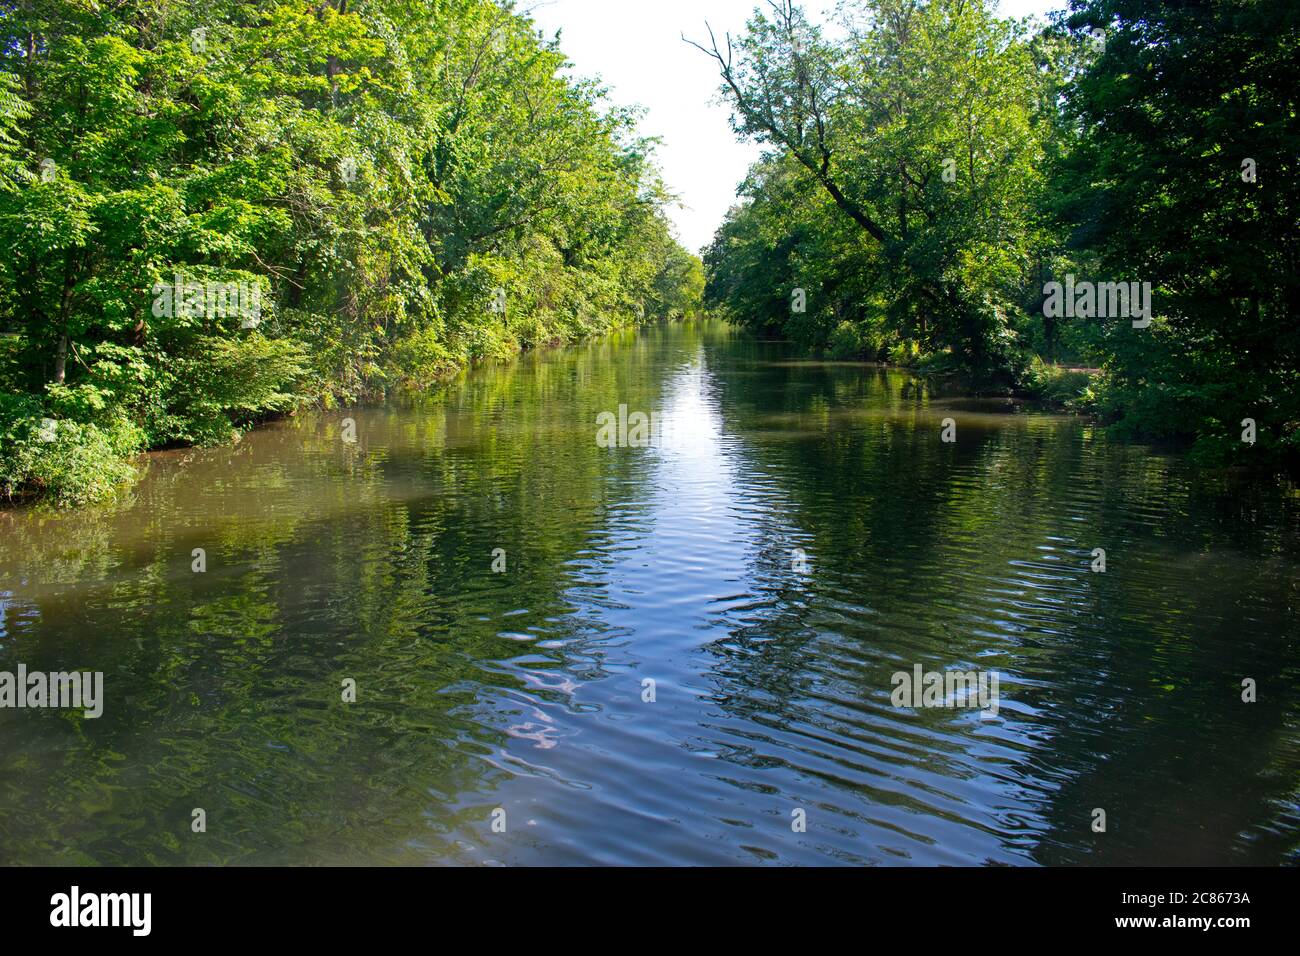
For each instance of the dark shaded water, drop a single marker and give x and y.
(372, 561)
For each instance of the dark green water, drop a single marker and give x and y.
(522, 690)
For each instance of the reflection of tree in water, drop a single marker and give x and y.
(1120, 690)
(372, 561)
(325, 560)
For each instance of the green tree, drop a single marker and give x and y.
(924, 127)
(1183, 172)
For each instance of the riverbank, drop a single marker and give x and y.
(64, 462)
(211, 246)
(1021, 233)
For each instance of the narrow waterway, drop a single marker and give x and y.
(677, 654)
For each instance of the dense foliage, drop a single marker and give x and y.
(217, 211)
(1183, 168)
(933, 168)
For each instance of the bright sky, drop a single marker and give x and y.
(635, 48)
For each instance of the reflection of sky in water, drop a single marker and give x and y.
(523, 690)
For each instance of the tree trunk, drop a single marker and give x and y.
(65, 320)
(61, 359)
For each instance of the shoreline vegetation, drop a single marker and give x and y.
(1017, 201)
(217, 213)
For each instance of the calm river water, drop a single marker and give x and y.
(804, 536)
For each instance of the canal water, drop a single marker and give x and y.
(566, 653)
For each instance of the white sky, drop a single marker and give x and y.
(634, 47)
